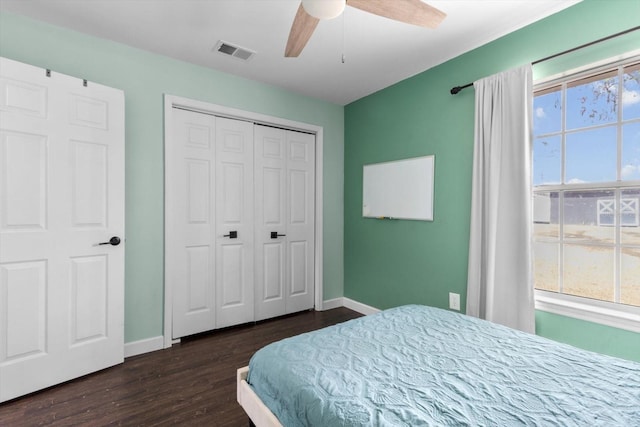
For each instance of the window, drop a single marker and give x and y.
(586, 178)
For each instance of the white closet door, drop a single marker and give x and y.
(234, 222)
(209, 215)
(190, 247)
(230, 186)
(285, 183)
(271, 217)
(61, 195)
(300, 152)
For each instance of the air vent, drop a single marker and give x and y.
(234, 51)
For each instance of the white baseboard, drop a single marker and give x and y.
(143, 346)
(332, 303)
(359, 307)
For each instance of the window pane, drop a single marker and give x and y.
(630, 152)
(591, 156)
(588, 272)
(586, 178)
(589, 216)
(630, 216)
(547, 160)
(592, 103)
(630, 277)
(546, 266)
(547, 112)
(545, 216)
(631, 93)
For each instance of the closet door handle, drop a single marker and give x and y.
(275, 235)
(231, 235)
(114, 241)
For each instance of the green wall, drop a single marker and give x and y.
(388, 263)
(145, 77)
(592, 336)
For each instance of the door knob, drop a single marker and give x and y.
(114, 241)
(275, 235)
(231, 235)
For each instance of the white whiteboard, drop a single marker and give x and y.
(402, 189)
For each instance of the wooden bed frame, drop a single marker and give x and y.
(257, 411)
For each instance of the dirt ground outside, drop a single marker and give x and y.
(589, 260)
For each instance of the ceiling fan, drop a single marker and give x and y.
(310, 12)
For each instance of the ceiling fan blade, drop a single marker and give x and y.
(301, 30)
(408, 11)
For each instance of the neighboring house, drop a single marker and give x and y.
(587, 208)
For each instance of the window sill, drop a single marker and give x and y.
(622, 317)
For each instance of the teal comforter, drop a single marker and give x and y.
(422, 366)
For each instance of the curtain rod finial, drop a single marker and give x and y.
(455, 90)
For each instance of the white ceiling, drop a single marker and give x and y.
(377, 52)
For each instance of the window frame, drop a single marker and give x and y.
(617, 315)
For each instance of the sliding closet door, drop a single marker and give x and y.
(61, 228)
(285, 170)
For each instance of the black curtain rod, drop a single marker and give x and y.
(457, 89)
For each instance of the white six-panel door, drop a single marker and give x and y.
(271, 217)
(230, 184)
(189, 244)
(61, 195)
(301, 220)
(285, 244)
(209, 243)
(234, 213)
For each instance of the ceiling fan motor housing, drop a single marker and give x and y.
(324, 9)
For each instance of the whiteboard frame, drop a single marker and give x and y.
(389, 177)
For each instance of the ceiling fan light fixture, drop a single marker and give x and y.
(324, 9)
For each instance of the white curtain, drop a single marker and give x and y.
(500, 282)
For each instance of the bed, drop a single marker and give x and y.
(422, 366)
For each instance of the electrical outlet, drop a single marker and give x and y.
(454, 301)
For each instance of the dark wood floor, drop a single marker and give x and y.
(191, 383)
